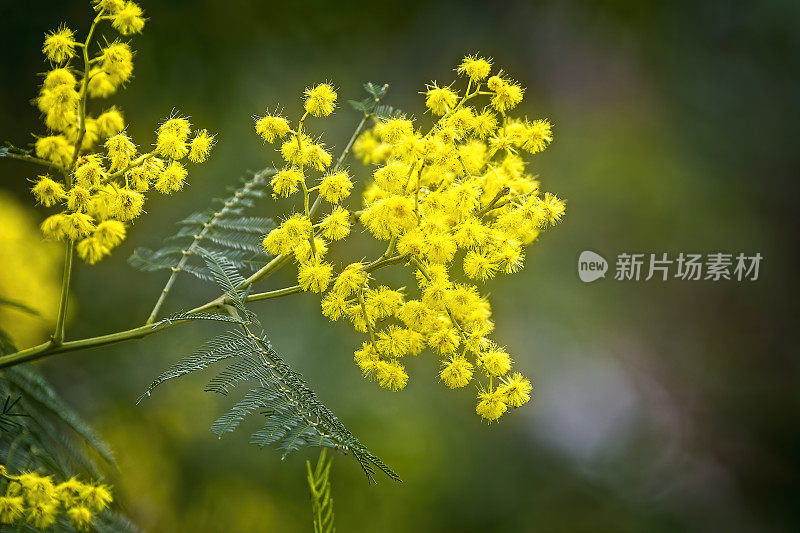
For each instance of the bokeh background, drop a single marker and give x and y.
(659, 406)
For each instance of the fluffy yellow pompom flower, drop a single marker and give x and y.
(101, 85)
(537, 135)
(127, 204)
(287, 181)
(335, 187)
(53, 227)
(172, 136)
(110, 233)
(440, 100)
(272, 127)
(336, 226)
(171, 179)
(121, 151)
(495, 361)
(91, 250)
(109, 6)
(391, 375)
(314, 275)
(475, 68)
(367, 359)
(333, 305)
(351, 279)
(445, 341)
(81, 518)
(47, 191)
(293, 150)
(516, 390)
(393, 342)
(491, 405)
(59, 45)
(457, 372)
(96, 497)
(55, 148)
(36, 488)
(506, 95)
(76, 225)
(479, 265)
(201, 146)
(440, 247)
(116, 60)
(395, 129)
(302, 252)
(553, 208)
(128, 19)
(320, 100)
(42, 515)
(78, 198)
(316, 156)
(90, 171)
(383, 302)
(110, 122)
(11, 509)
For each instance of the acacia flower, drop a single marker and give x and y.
(272, 127)
(201, 146)
(440, 100)
(491, 405)
(47, 191)
(59, 45)
(335, 187)
(314, 275)
(457, 372)
(475, 68)
(320, 100)
(128, 19)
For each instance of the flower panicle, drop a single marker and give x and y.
(459, 195)
(99, 175)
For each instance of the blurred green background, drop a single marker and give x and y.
(658, 406)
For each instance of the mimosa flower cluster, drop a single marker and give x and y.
(36, 500)
(98, 176)
(456, 196)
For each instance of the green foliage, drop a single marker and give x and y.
(321, 500)
(225, 230)
(371, 106)
(294, 416)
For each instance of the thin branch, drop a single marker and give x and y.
(49, 348)
(31, 159)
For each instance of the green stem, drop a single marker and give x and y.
(61, 319)
(50, 348)
(31, 159)
(84, 91)
(493, 204)
(257, 297)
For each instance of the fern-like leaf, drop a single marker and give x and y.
(224, 230)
